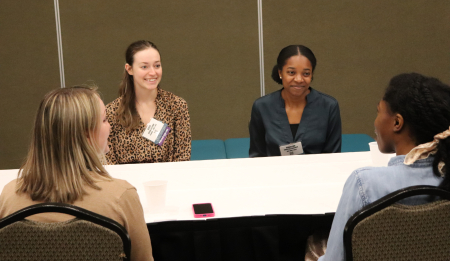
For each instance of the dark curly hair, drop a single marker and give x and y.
(286, 53)
(424, 103)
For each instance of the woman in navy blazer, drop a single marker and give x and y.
(297, 112)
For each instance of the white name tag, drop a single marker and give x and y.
(291, 149)
(156, 131)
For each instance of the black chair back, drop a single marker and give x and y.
(89, 236)
(385, 230)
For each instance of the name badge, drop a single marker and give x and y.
(156, 131)
(291, 149)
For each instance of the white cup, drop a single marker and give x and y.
(379, 159)
(155, 191)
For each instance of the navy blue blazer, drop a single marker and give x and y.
(320, 129)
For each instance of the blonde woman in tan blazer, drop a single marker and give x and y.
(64, 164)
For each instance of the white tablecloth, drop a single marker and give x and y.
(306, 184)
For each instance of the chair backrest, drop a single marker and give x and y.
(386, 230)
(89, 236)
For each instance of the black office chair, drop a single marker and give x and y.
(89, 236)
(385, 230)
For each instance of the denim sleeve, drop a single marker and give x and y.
(352, 200)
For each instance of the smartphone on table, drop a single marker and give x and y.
(202, 210)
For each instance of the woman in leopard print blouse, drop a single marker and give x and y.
(141, 99)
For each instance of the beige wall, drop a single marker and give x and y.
(210, 54)
(360, 46)
(29, 69)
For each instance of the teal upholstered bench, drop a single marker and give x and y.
(355, 142)
(237, 148)
(208, 149)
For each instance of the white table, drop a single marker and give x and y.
(306, 184)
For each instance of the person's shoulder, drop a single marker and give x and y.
(10, 200)
(113, 106)
(369, 171)
(325, 97)
(363, 179)
(268, 99)
(124, 191)
(10, 195)
(122, 183)
(111, 111)
(169, 97)
(378, 176)
(365, 170)
(10, 188)
(114, 103)
(116, 186)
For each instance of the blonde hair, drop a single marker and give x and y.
(64, 156)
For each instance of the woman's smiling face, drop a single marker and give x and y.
(146, 69)
(296, 75)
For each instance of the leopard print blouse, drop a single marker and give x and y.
(130, 147)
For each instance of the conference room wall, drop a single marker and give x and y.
(210, 54)
(28, 70)
(360, 46)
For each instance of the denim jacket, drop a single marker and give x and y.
(366, 185)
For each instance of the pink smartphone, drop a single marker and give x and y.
(202, 210)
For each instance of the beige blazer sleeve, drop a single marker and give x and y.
(134, 222)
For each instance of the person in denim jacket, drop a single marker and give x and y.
(413, 121)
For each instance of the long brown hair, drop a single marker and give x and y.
(127, 114)
(62, 159)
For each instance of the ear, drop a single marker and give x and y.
(399, 122)
(129, 69)
(279, 73)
